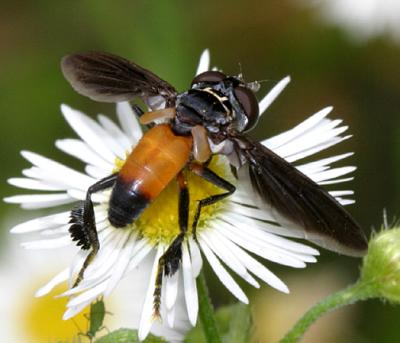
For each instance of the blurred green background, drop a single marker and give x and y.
(270, 40)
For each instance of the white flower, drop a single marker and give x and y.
(25, 317)
(362, 18)
(227, 232)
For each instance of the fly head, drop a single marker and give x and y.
(222, 104)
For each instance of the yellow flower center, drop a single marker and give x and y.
(40, 319)
(159, 223)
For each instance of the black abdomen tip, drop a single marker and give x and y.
(125, 205)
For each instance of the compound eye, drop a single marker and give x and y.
(249, 103)
(209, 76)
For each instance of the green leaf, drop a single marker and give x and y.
(239, 324)
(233, 322)
(127, 336)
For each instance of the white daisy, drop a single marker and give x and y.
(38, 320)
(229, 232)
(362, 18)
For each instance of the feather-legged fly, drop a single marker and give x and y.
(212, 117)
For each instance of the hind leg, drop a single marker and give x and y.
(208, 175)
(169, 262)
(83, 228)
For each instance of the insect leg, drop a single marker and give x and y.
(83, 228)
(169, 262)
(152, 116)
(138, 111)
(207, 174)
(201, 147)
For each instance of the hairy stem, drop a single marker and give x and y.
(356, 292)
(206, 312)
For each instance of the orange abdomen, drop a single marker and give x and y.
(159, 156)
(156, 160)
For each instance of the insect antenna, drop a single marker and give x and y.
(241, 75)
(254, 85)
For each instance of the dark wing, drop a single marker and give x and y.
(109, 78)
(299, 200)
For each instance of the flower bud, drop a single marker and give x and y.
(381, 265)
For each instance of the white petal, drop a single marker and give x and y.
(171, 290)
(324, 133)
(90, 132)
(331, 173)
(33, 201)
(58, 231)
(315, 139)
(223, 275)
(33, 184)
(107, 256)
(129, 122)
(204, 62)
(115, 132)
(56, 280)
(48, 177)
(101, 211)
(88, 280)
(316, 166)
(345, 202)
(278, 248)
(41, 223)
(112, 143)
(258, 233)
(122, 265)
(52, 179)
(331, 182)
(140, 251)
(219, 247)
(316, 149)
(73, 311)
(244, 209)
(55, 171)
(96, 273)
(275, 229)
(171, 316)
(104, 229)
(285, 137)
(146, 319)
(97, 172)
(34, 173)
(88, 296)
(76, 265)
(190, 288)
(264, 250)
(195, 257)
(83, 152)
(341, 193)
(254, 266)
(53, 243)
(96, 197)
(273, 94)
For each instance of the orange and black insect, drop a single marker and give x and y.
(211, 117)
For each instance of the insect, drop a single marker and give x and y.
(96, 319)
(97, 314)
(212, 117)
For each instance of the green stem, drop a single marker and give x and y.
(356, 292)
(240, 324)
(206, 312)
